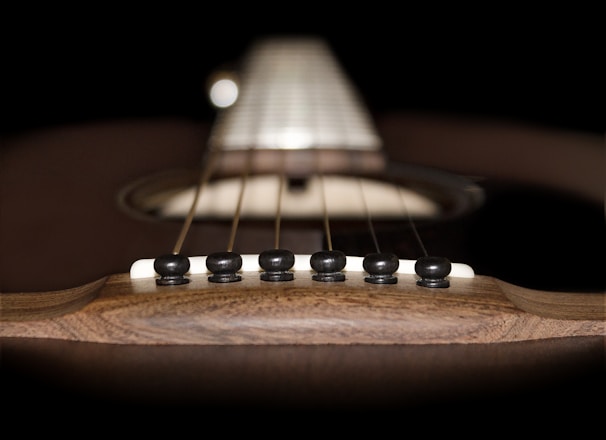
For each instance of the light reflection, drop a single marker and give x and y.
(223, 93)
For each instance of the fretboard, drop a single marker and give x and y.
(294, 95)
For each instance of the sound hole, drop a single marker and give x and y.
(401, 191)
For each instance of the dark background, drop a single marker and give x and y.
(536, 64)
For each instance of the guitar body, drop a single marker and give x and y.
(74, 323)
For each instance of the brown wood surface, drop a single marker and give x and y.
(303, 311)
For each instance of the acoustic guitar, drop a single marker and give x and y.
(297, 253)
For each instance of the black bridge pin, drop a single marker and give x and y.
(276, 264)
(172, 269)
(224, 267)
(381, 267)
(328, 265)
(433, 271)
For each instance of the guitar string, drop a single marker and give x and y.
(237, 213)
(326, 220)
(411, 221)
(368, 216)
(281, 186)
(205, 174)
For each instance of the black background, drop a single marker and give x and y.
(536, 64)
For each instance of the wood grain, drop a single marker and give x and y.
(303, 311)
(43, 305)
